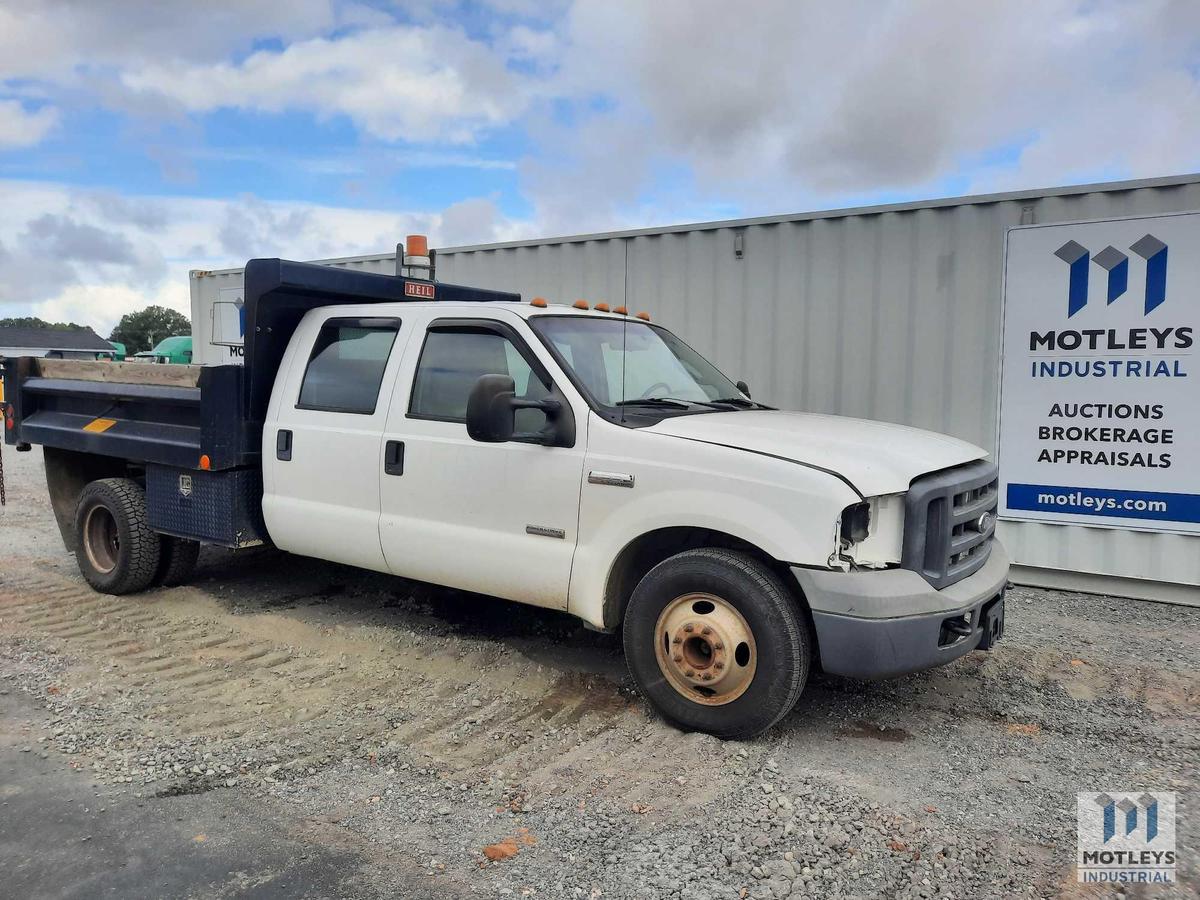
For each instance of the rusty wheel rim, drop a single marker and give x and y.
(101, 540)
(705, 649)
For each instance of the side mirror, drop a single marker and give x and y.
(744, 388)
(490, 410)
(491, 415)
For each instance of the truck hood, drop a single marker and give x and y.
(876, 457)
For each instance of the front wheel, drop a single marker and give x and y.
(717, 643)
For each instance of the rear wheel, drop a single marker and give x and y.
(114, 547)
(177, 561)
(717, 642)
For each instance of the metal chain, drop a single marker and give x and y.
(3, 499)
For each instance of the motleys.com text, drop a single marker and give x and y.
(1115, 503)
(1077, 499)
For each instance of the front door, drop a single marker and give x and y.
(323, 441)
(497, 519)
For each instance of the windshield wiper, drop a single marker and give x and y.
(658, 401)
(742, 402)
(676, 403)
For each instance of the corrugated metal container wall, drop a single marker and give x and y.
(888, 313)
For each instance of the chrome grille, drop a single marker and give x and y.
(943, 540)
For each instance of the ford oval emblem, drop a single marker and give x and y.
(984, 522)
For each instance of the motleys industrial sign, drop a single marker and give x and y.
(1100, 397)
(1126, 837)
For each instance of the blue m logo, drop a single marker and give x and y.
(1116, 264)
(1124, 814)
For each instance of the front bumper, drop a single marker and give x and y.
(891, 622)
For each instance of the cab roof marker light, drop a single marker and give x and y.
(601, 307)
(580, 304)
(539, 302)
(644, 316)
(621, 311)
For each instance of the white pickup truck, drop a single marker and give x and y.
(568, 457)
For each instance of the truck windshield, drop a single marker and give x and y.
(625, 363)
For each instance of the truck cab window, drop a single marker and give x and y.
(454, 359)
(345, 368)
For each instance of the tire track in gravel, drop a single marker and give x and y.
(470, 708)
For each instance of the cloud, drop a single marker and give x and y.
(252, 225)
(797, 103)
(90, 256)
(478, 221)
(61, 40)
(21, 128)
(64, 239)
(629, 113)
(100, 306)
(410, 83)
(144, 214)
(589, 175)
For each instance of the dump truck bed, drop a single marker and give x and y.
(172, 415)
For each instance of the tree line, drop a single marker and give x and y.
(138, 331)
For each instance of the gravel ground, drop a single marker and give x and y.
(505, 749)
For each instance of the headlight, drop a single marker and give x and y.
(856, 522)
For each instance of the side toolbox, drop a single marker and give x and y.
(222, 507)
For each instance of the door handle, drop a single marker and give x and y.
(283, 444)
(393, 458)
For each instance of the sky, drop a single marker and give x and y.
(143, 138)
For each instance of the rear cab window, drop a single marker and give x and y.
(346, 365)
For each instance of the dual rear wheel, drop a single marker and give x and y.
(115, 548)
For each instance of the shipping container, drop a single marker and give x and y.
(217, 321)
(888, 312)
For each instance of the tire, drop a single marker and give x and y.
(756, 682)
(176, 561)
(115, 548)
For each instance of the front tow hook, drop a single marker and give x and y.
(959, 625)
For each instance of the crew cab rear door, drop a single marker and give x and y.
(323, 438)
(498, 519)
